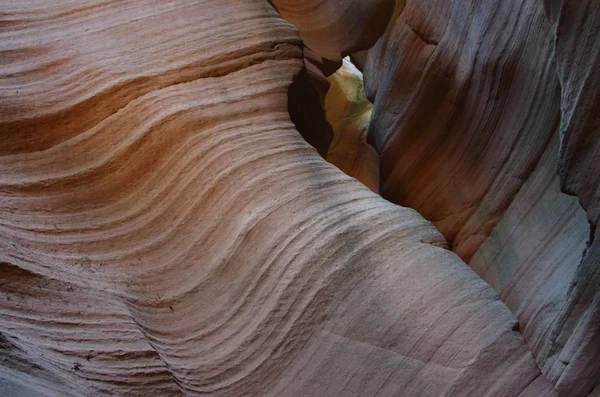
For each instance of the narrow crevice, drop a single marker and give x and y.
(154, 352)
(10, 271)
(349, 112)
(424, 39)
(307, 113)
(6, 344)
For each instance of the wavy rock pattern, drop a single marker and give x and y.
(165, 230)
(82, 336)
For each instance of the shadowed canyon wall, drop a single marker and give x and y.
(165, 229)
(486, 115)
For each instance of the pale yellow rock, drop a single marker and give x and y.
(349, 112)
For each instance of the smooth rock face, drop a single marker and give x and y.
(578, 61)
(467, 97)
(484, 111)
(531, 259)
(577, 29)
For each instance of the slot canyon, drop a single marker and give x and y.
(300, 198)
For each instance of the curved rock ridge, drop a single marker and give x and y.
(88, 58)
(165, 229)
(336, 28)
(82, 336)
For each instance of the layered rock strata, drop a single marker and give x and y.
(166, 230)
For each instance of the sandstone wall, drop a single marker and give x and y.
(165, 230)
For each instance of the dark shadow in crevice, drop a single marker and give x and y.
(307, 113)
(8, 269)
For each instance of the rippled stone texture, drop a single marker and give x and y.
(165, 230)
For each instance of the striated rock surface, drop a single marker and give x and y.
(577, 53)
(577, 38)
(531, 258)
(465, 102)
(164, 228)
